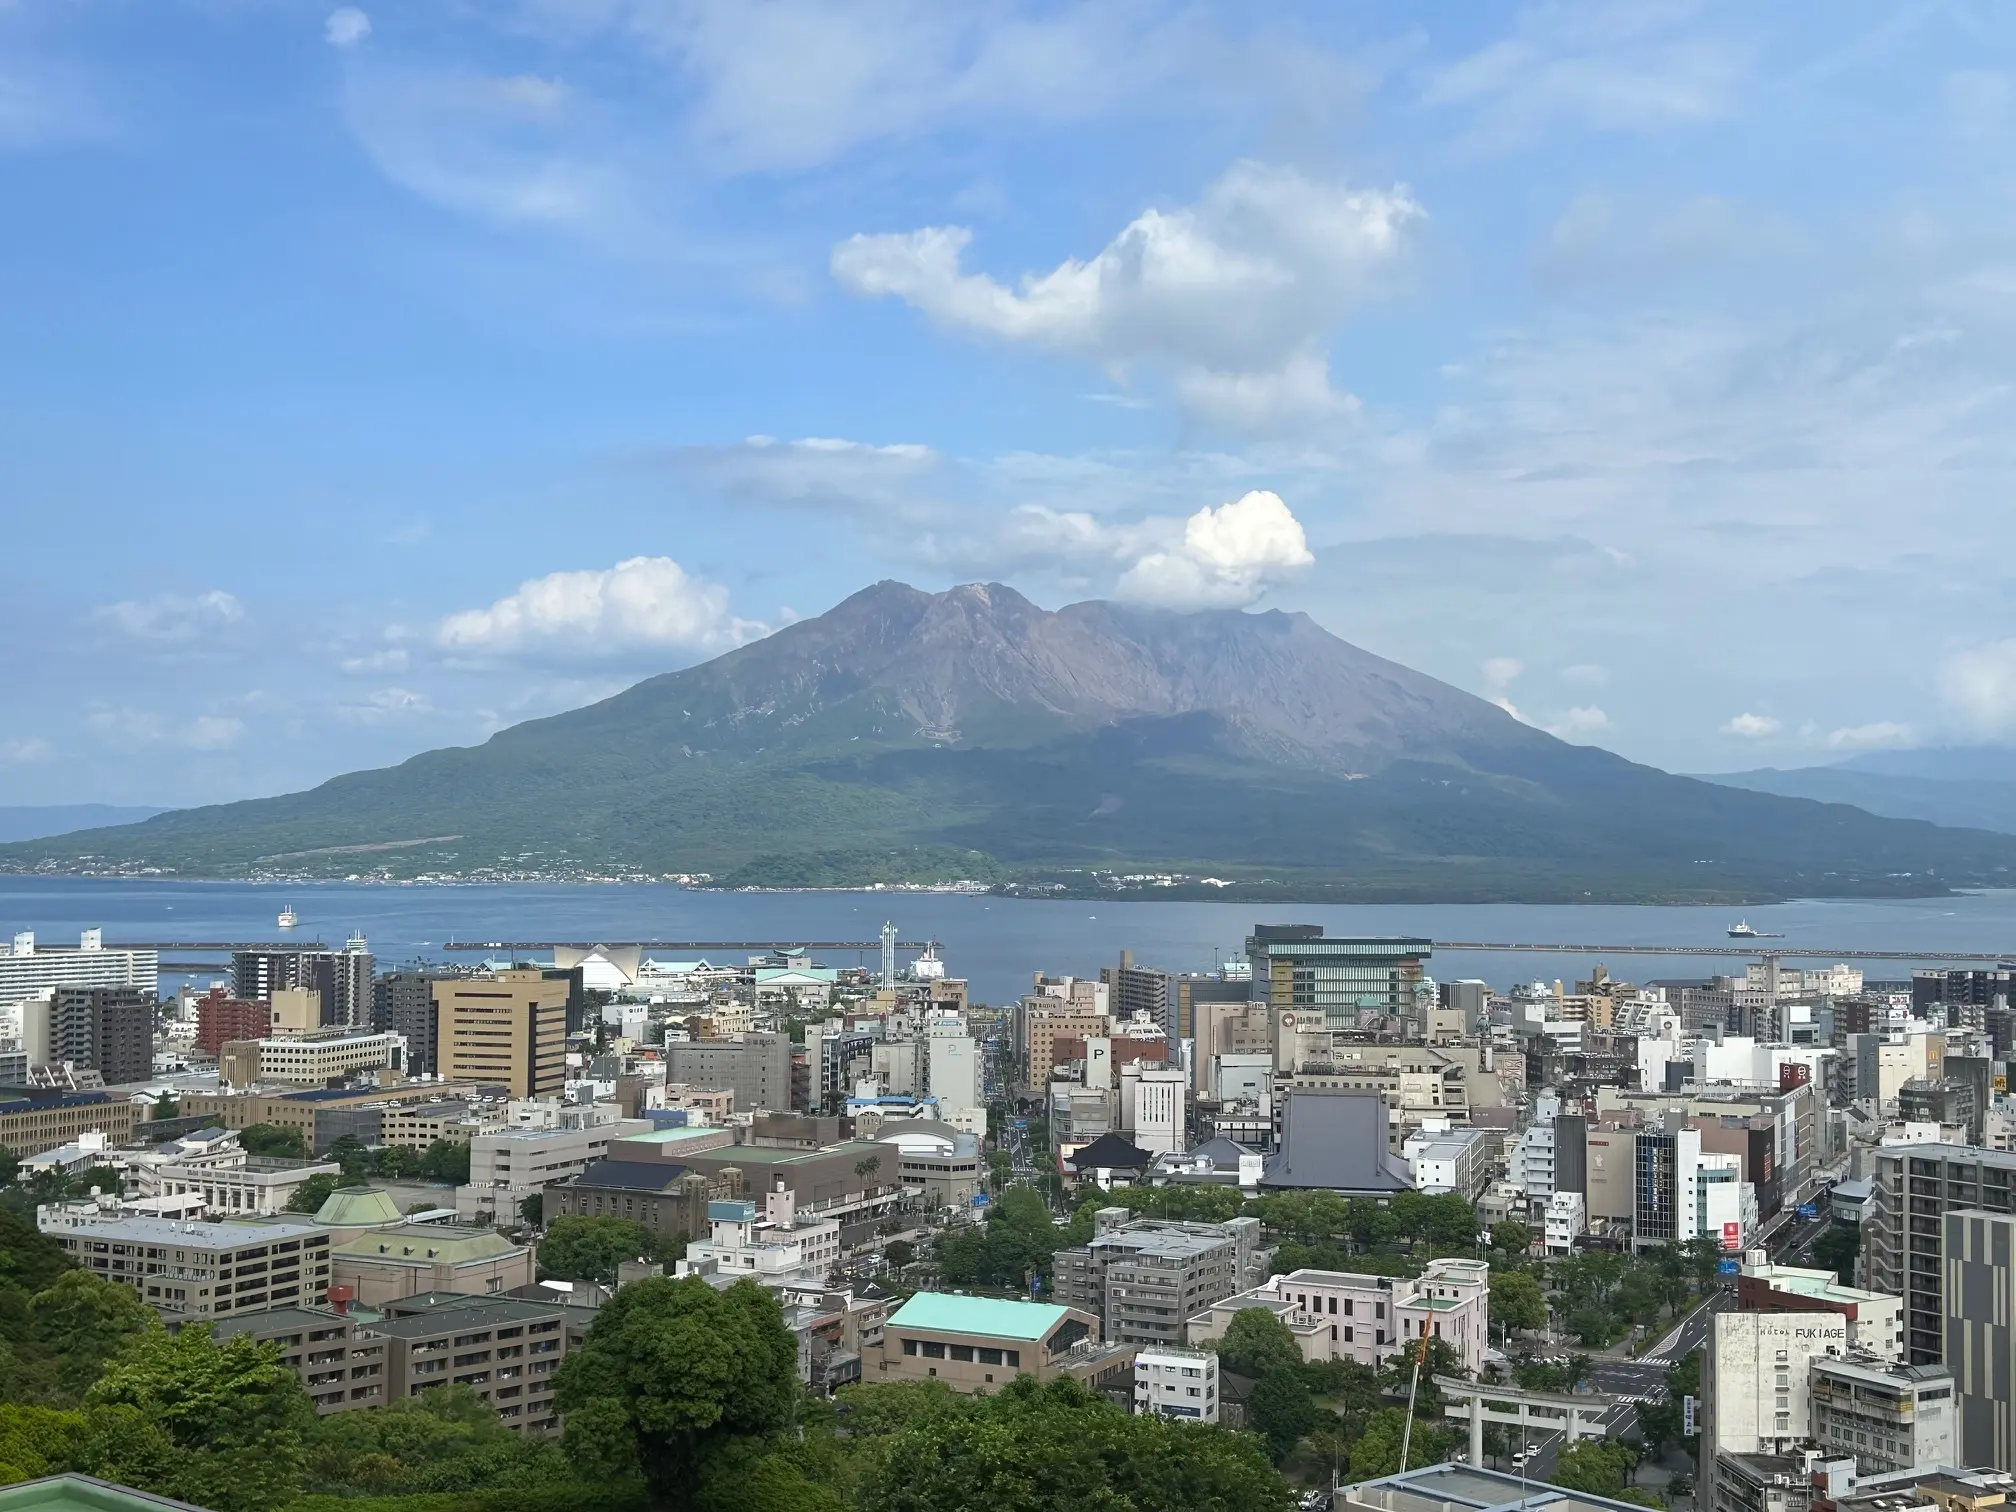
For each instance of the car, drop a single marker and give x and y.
(1521, 1458)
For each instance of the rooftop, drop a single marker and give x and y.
(82, 1493)
(217, 1233)
(427, 1244)
(1456, 1487)
(358, 1207)
(988, 1317)
(470, 1313)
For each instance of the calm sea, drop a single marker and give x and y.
(993, 942)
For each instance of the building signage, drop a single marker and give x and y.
(1732, 1236)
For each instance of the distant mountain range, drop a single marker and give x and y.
(34, 821)
(1967, 786)
(915, 737)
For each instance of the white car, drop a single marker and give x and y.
(1521, 1458)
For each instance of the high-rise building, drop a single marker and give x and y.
(403, 1003)
(1756, 1390)
(1295, 967)
(342, 977)
(1145, 1279)
(1913, 1188)
(1980, 1331)
(756, 1068)
(220, 1019)
(108, 1029)
(30, 970)
(509, 1028)
(1142, 992)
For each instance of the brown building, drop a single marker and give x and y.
(1042, 1028)
(341, 1366)
(220, 1019)
(509, 1028)
(109, 1029)
(33, 1119)
(504, 1349)
(982, 1343)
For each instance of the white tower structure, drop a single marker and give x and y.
(888, 955)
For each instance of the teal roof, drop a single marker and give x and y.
(993, 1317)
(82, 1493)
(671, 1136)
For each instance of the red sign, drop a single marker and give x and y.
(1732, 1236)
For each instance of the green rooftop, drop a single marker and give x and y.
(81, 1493)
(672, 1136)
(989, 1317)
(358, 1207)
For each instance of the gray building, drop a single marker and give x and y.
(756, 1068)
(404, 1004)
(1914, 1188)
(342, 977)
(1144, 1279)
(1980, 1348)
(108, 1029)
(1889, 1417)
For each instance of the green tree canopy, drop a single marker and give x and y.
(671, 1373)
(1256, 1343)
(312, 1193)
(1281, 1410)
(270, 1139)
(1517, 1301)
(1377, 1451)
(1512, 1237)
(590, 1249)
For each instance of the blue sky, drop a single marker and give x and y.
(372, 377)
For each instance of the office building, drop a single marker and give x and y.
(221, 1018)
(756, 1068)
(29, 970)
(1342, 980)
(510, 1028)
(1177, 1383)
(975, 1344)
(1980, 1347)
(1040, 1022)
(403, 1004)
(342, 979)
(201, 1270)
(1340, 1315)
(108, 1029)
(1875, 1319)
(1913, 1188)
(323, 1058)
(1756, 1376)
(34, 1120)
(1154, 1107)
(951, 1065)
(1142, 992)
(1889, 1417)
(1565, 1220)
(1145, 1280)
(250, 1186)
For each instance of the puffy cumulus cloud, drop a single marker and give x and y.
(1579, 723)
(1978, 684)
(1227, 558)
(641, 603)
(1753, 726)
(1884, 734)
(172, 618)
(1235, 296)
(346, 26)
(135, 728)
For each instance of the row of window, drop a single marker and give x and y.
(932, 1349)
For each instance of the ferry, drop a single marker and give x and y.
(1741, 930)
(288, 918)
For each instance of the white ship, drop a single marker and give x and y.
(288, 918)
(1741, 930)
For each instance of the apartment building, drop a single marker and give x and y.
(109, 1029)
(1889, 1417)
(1177, 1383)
(340, 979)
(221, 1018)
(203, 1270)
(1145, 1280)
(1040, 1026)
(510, 1028)
(504, 1349)
(1913, 1188)
(34, 1121)
(29, 970)
(340, 1366)
(1980, 1331)
(403, 1004)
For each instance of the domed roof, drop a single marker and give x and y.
(358, 1207)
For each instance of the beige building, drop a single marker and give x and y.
(981, 1343)
(299, 1111)
(387, 1265)
(320, 1059)
(296, 1010)
(203, 1270)
(509, 1028)
(340, 1366)
(33, 1121)
(422, 1124)
(1043, 1027)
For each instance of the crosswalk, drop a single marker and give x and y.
(1648, 1396)
(1660, 1360)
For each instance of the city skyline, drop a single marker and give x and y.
(378, 377)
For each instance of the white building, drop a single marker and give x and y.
(1178, 1383)
(779, 1248)
(1531, 1167)
(1340, 1315)
(1755, 1383)
(1153, 1106)
(1725, 1205)
(952, 1064)
(507, 1167)
(1875, 1319)
(1445, 1159)
(29, 970)
(1888, 1416)
(258, 1184)
(1567, 1220)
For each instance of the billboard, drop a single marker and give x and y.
(1732, 1236)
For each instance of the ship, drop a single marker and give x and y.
(288, 918)
(1741, 930)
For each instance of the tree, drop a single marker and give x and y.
(673, 1373)
(234, 1415)
(84, 1320)
(1377, 1451)
(1517, 1301)
(312, 1193)
(867, 1166)
(1512, 1237)
(1281, 1409)
(533, 1209)
(590, 1249)
(1257, 1343)
(1439, 1359)
(899, 1253)
(165, 1106)
(446, 1160)
(1593, 1326)
(1837, 1248)
(270, 1139)
(10, 1166)
(1056, 1444)
(1601, 1467)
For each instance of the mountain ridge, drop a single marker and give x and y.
(913, 736)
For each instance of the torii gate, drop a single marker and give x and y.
(1574, 1416)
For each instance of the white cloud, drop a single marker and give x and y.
(641, 603)
(1884, 734)
(346, 26)
(1235, 296)
(24, 748)
(1753, 726)
(814, 471)
(1228, 557)
(1979, 685)
(1579, 722)
(1500, 671)
(385, 705)
(172, 618)
(133, 728)
(393, 660)
(1586, 674)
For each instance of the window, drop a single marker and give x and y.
(933, 1351)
